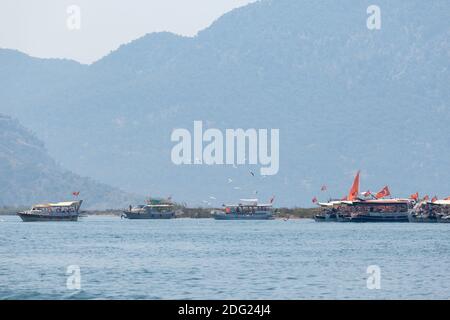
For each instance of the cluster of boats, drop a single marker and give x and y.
(367, 207)
(355, 207)
(247, 209)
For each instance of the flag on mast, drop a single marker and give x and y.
(383, 193)
(354, 190)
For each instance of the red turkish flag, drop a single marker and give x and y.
(383, 193)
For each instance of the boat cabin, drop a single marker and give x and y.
(439, 207)
(58, 207)
(248, 206)
(376, 205)
(153, 205)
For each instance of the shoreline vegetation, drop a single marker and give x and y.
(185, 212)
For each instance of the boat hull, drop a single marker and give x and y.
(420, 219)
(43, 218)
(147, 215)
(379, 218)
(342, 218)
(230, 216)
(325, 218)
(443, 219)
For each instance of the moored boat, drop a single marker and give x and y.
(247, 209)
(437, 211)
(59, 211)
(329, 212)
(154, 209)
(376, 210)
(366, 207)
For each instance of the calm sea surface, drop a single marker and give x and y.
(208, 259)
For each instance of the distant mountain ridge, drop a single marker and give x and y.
(344, 98)
(29, 175)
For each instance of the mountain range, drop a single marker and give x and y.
(30, 175)
(343, 97)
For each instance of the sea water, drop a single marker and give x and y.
(209, 259)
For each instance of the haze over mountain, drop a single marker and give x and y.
(29, 175)
(344, 98)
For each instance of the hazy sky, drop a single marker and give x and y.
(40, 28)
